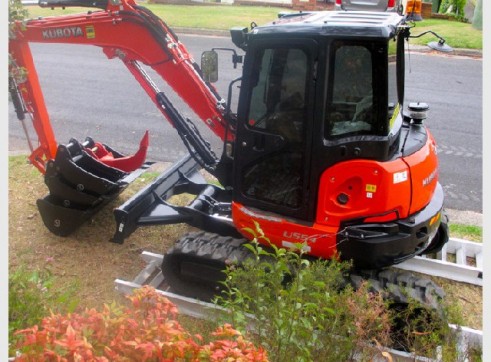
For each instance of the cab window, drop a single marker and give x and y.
(350, 104)
(278, 107)
(278, 98)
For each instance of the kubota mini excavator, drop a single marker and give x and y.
(321, 150)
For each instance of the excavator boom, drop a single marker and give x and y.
(83, 176)
(125, 31)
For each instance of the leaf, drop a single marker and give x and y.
(71, 340)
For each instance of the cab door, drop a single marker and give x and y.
(273, 141)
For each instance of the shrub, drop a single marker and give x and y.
(147, 330)
(32, 296)
(301, 310)
(305, 310)
(17, 11)
(455, 7)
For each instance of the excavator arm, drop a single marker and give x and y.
(135, 35)
(83, 177)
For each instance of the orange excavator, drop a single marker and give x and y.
(322, 150)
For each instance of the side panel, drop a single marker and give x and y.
(424, 174)
(361, 188)
(317, 240)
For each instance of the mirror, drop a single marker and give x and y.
(209, 66)
(440, 46)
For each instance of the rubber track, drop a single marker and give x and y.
(217, 252)
(401, 287)
(214, 250)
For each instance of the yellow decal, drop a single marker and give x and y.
(90, 32)
(371, 188)
(394, 116)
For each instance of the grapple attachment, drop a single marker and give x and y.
(83, 178)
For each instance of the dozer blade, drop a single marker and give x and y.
(209, 210)
(80, 184)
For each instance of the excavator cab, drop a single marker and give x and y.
(322, 144)
(310, 100)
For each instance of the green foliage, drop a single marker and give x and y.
(301, 310)
(32, 295)
(425, 332)
(17, 11)
(453, 7)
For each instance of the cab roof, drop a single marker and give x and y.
(339, 23)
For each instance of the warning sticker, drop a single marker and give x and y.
(90, 32)
(400, 177)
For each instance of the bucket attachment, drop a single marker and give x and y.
(110, 157)
(83, 178)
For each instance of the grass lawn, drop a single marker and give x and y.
(455, 33)
(192, 16)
